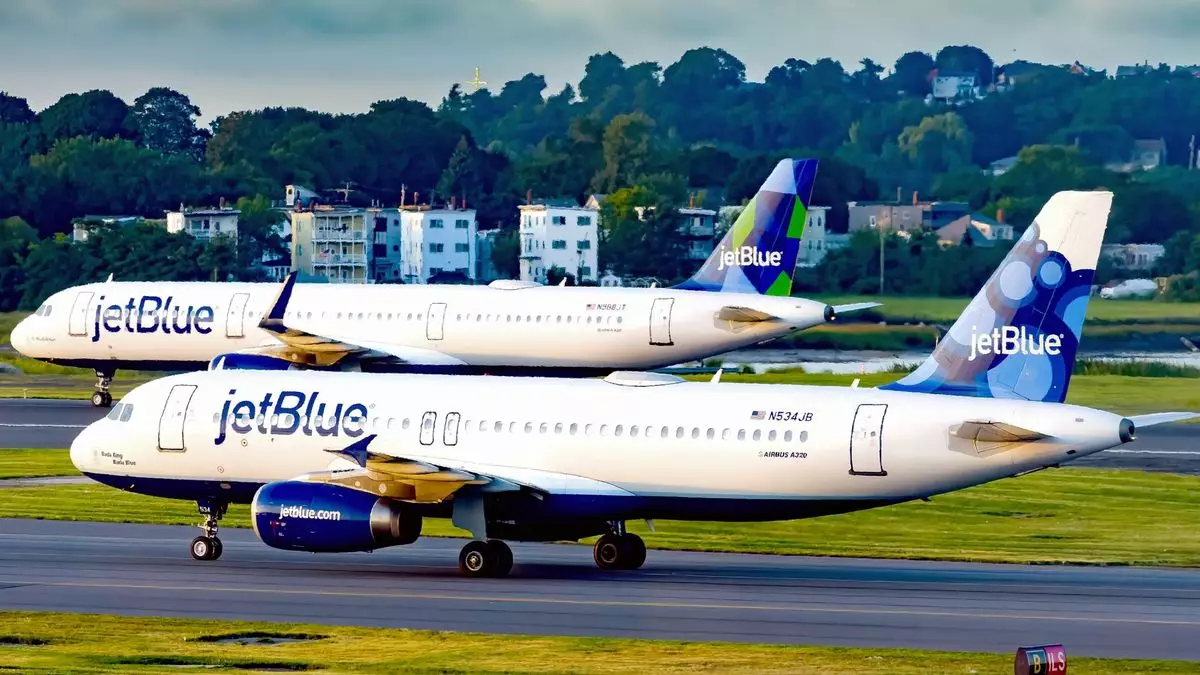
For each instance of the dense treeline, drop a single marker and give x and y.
(645, 134)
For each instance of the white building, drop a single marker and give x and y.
(332, 243)
(812, 243)
(384, 228)
(956, 87)
(558, 236)
(1141, 257)
(435, 242)
(204, 223)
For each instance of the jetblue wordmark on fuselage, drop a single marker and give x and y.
(118, 318)
(283, 416)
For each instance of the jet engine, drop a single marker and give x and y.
(326, 518)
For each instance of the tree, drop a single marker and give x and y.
(640, 235)
(966, 59)
(14, 110)
(506, 251)
(166, 121)
(627, 151)
(911, 74)
(15, 238)
(556, 274)
(938, 144)
(96, 114)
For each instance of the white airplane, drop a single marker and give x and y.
(343, 461)
(508, 327)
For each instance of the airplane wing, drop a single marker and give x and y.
(425, 480)
(306, 348)
(987, 431)
(1142, 421)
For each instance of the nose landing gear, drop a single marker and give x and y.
(207, 546)
(100, 397)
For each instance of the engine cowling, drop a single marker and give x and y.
(325, 518)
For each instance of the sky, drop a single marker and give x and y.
(342, 55)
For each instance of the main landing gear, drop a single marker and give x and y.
(491, 558)
(100, 397)
(207, 546)
(619, 550)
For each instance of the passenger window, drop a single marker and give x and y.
(574, 428)
(741, 434)
(724, 434)
(757, 434)
(617, 431)
(678, 432)
(787, 436)
(428, 421)
(483, 425)
(603, 429)
(391, 423)
(633, 431)
(712, 433)
(518, 318)
(803, 436)
(410, 316)
(418, 317)
(539, 318)
(529, 427)
(404, 424)
(587, 430)
(666, 431)
(568, 319)
(499, 426)
(512, 427)
(771, 435)
(618, 319)
(544, 428)
(558, 428)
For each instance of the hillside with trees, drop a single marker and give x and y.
(656, 135)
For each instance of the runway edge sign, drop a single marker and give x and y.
(1041, 660)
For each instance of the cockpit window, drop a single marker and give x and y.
(44, 310)
(126, 412)
(121, 412)
(115, 412)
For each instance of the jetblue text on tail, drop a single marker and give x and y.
(1009, 340)
(152, 314)
(749, 256)
(288, 412)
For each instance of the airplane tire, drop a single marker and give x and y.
(504, 558)
(101, 399)
(609, 553)
(218, 548)
(205, 548)
(636, 550)
(477, 559)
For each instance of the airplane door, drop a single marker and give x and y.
(437, 319)
(450, 436)
(660, 322)
(170, 425)
(428, 423)
(235, 317)
(866, 440)
(79, 314)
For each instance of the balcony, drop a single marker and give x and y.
(336, 235)
(340, 260)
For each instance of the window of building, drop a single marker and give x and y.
(558, 220)
(584, 244)
(462, 224)
(583, 220)
(585, 271)
(435, 222)
(461, 248)
(437, 248)
(559, 244)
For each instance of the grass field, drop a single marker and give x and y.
(1083, 516)
(7, 321)
(58, 642)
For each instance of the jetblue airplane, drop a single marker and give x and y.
(509, 327)
(342, 461)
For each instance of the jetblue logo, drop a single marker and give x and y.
(749, 256)
(152, 314)
(290, 412)
(1012, 340)
(306, 513)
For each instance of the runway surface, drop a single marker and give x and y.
(146, 570)
(37, 423)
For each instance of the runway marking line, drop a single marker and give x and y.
(611, 603)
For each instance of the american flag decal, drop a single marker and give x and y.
(758, 415)
(591, 306)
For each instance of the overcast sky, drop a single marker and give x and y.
(341, 55)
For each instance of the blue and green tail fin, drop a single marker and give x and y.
(759, 252)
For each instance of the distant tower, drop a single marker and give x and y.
(477, 83)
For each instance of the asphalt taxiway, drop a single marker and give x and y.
(34, 423)
(145, 570)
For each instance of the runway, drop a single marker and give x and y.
(145, 570)
(34, 423)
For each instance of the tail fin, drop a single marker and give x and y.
(1018, 337)
(759, 252)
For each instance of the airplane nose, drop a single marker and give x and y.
(19, 338)
(82, 449)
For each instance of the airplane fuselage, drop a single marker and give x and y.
(629, 446)
(180, 325)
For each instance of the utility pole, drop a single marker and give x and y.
(477, 83)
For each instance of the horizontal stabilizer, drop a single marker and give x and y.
(854, 307)
(995, 432)
(743, 314)
(1142, 421)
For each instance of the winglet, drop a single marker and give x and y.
(357, 451)
(839, 310)
(273, 320)
(110, 276)
(717, 376)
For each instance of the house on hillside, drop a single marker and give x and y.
(976, 230)
(951, 87)
(1147, 155)
(1140, 257)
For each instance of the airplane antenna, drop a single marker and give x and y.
(109, 278)
(717, 376)
(650, 524)
(653, 284)
(854, 384)
(563, 282)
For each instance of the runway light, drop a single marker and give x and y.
(1041, 660)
